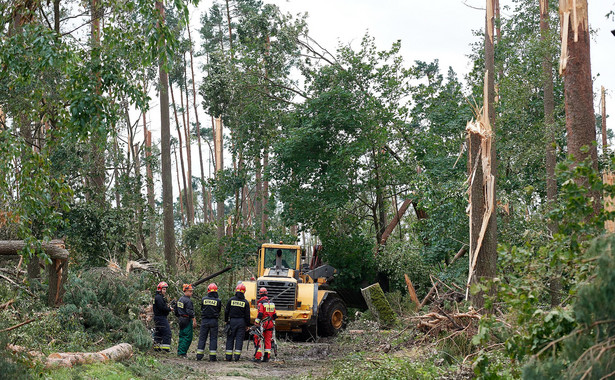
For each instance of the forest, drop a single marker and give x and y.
(468, 218)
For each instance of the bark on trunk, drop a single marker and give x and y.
(198, 130)
(550, 161)
(182, 195)
(219, 167)
(150, 183)
(265, 195)
(605, 142)
(578, 94)
(395, 221)
(165, 148)
(98, 139)
(486, 259)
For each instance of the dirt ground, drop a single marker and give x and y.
(293, 359)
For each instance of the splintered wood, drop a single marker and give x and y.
(481, 128)
(573, 13)
(434, 322)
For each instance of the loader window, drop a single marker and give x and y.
(289, 257)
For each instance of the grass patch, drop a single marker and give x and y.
(139, 367)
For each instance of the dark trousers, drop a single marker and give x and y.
(234, 341)
(162, 334)
(208, 327)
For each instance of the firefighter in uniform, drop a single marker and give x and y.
(265, 319)
(162, 333)
(237, 316)
(210, 311)
(185, 311)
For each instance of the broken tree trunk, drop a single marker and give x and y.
(575, 66)
(378, 304)
(481, 191)
(56, 270)
(55, 248)
(395, 221)
(411, 291)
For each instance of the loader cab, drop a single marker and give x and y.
(279, 260)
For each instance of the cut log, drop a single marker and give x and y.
(68, 359)
(55, 248)
(379, 305)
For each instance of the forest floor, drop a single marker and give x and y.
(371, 354)
(295, 359)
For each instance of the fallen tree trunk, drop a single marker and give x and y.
(68, 359)
(55, 248)
(212, 276)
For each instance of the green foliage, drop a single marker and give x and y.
(404, 257)
(385, 367)
(588, 350)
(99, 301)
(94, 234)
(353, 257)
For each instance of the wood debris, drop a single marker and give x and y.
(434, 322)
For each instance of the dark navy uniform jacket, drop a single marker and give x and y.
(237, 307)
(161, 309)
(211, 306)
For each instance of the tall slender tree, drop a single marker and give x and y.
(165, 148)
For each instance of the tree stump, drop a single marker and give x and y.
(379, 305)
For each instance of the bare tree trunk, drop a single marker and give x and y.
(98, 139)
(150, 181)
(188, 147)
(486, 264)
(605, 142)
(181, 202)
(219, 167)
(165, 148)
(550, 161)
(198, 130)
(181, 158)
(578, 94)
(265, 195)
(258, 191)
(56, 16)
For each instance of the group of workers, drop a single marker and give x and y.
(236, 317)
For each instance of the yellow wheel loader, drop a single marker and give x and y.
(302, 301)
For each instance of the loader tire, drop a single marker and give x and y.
(332, 317)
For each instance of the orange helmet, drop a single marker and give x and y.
(240, 288)
(212, 288)
(161, 285)
(187, 287)
(262, 291)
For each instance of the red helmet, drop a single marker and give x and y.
(161, 285)
(262, 291)
(240, 288)
(212, 288)
(187, 287)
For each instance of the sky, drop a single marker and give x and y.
(428, 30)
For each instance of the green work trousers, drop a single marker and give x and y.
(185, 339)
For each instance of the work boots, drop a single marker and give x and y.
(266, 358)
(199, 356)
(236, 357)
(212, 358)
(228, 357)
